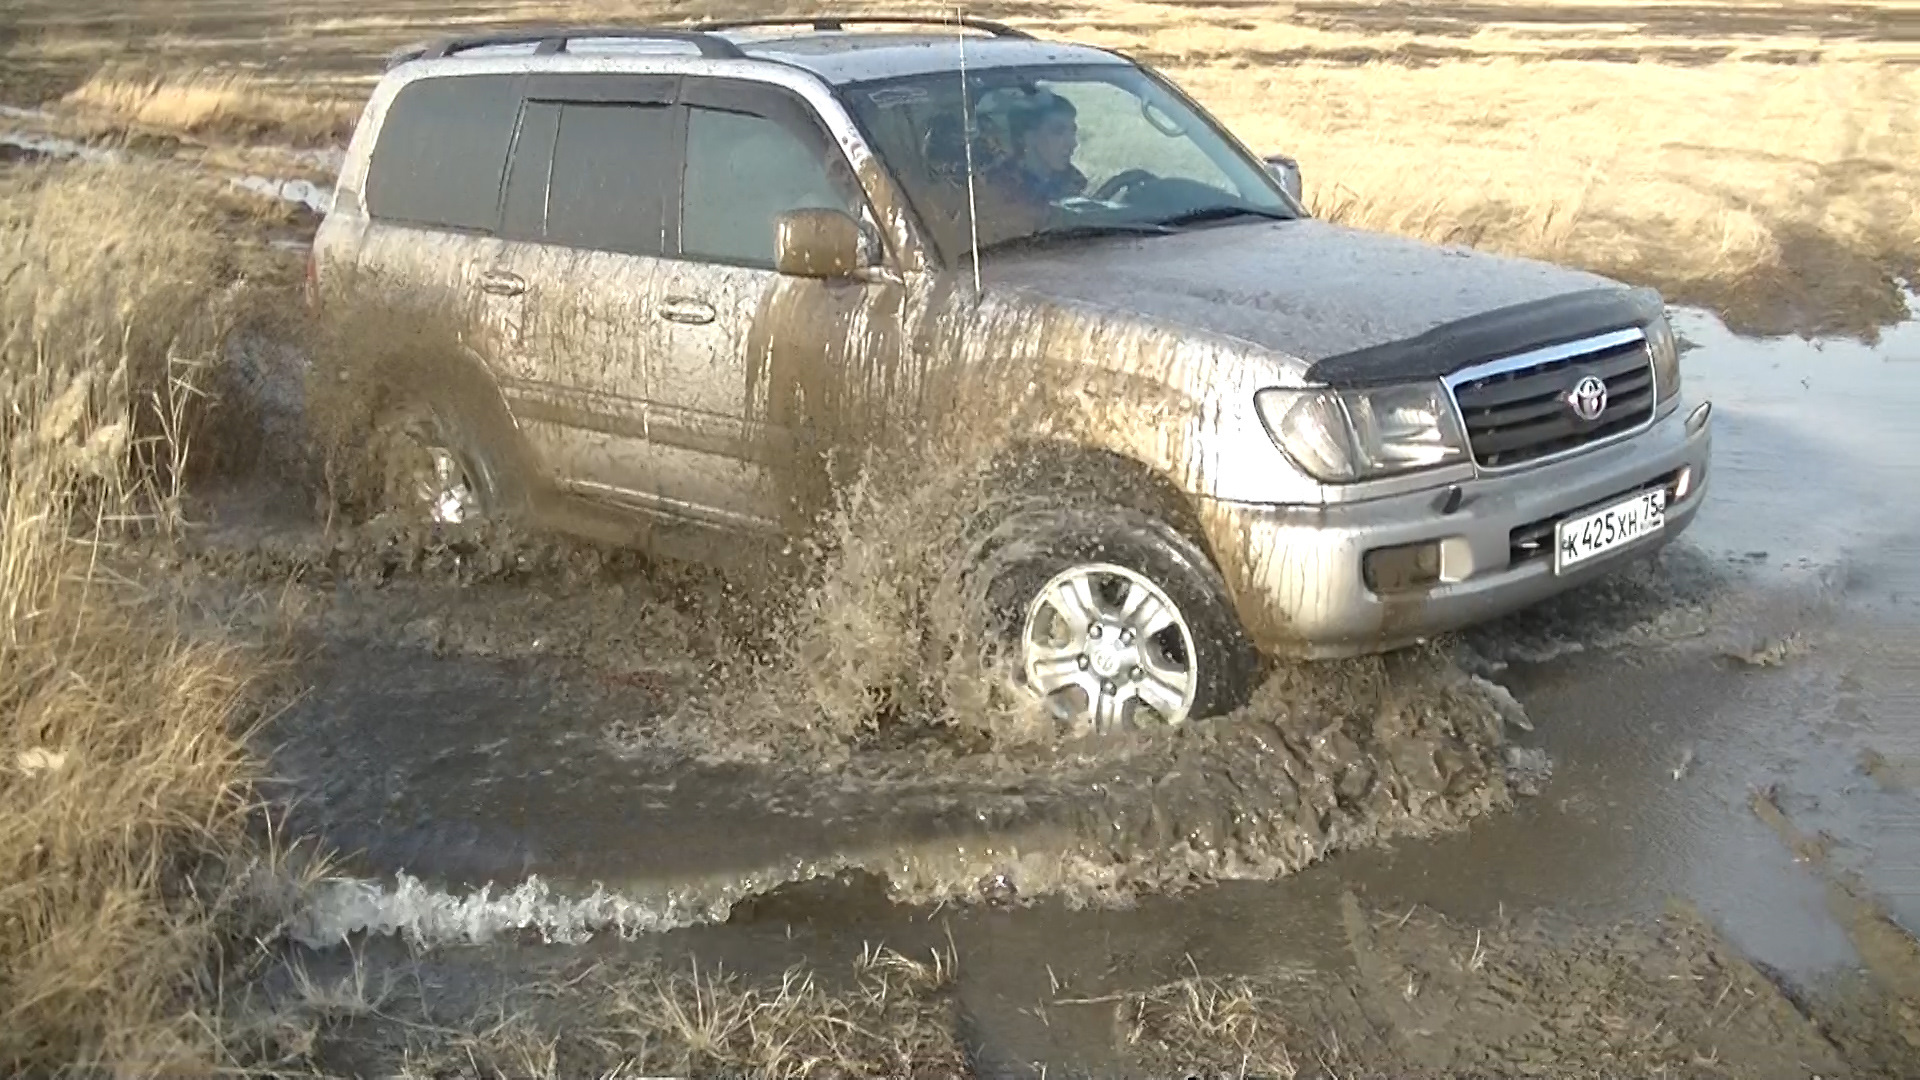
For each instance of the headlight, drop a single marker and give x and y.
(1339, 436)
(1665, 351)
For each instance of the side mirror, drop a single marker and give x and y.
(816, 244)
(1287, 171)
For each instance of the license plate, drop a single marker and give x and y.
(1579, 539)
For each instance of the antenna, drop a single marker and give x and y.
(966, 137)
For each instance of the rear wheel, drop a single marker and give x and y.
(434, 469)
(1111, 619)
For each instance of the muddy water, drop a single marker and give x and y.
(508, 750)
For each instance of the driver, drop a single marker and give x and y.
(1045, 135)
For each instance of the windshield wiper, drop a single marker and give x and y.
(1075, 232)
(1224, 212)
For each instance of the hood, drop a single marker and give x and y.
(1354, 306)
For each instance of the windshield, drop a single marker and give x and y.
(1057, 154)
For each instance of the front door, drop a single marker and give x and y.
(742, 339)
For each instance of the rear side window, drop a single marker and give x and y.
(442, 152)
(612, 171)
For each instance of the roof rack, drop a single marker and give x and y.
(841, 22)
(554, 41)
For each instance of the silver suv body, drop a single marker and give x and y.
(689, 262)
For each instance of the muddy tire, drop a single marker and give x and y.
(1109, 616)
(432, 464)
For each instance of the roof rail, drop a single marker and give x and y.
(554, 41)
(841, 22)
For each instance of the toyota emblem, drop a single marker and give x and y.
(1588, 398)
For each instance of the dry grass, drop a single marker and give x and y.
(1668, 145)
(230, 104)
(125, 786)
(890, 1022)
(1203, 1026)
(1777, 195)
(893, 1017)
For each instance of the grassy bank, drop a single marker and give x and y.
(211, 104)
(125, 789)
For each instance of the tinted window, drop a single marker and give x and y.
(612, 172)
(525, 215)
(442, 151)
(743, 171)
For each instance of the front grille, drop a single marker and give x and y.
(1520, 415)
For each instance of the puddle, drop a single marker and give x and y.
(48, 146)
(330, 159)
(1814, 450)
(313, 196)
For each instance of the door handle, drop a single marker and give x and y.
(501, 283)
(683, 309)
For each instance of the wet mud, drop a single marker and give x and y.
(460, 684)
(1530, 847)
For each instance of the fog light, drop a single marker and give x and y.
(1682, 485)
(1401, 568)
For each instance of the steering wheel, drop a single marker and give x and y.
(1123, 182)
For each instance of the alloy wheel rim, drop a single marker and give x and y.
(1104, 648)
(444, 488)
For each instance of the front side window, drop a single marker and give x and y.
(1058, 152)
(742, 172)
(441, 152)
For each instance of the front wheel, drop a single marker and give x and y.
(1111, 619)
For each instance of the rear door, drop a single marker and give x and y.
(432, 198)
(586, 223)
(737, 333)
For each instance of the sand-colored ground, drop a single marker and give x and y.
(1759, 160)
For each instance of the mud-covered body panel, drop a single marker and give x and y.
(1308, 290)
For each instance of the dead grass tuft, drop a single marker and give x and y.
(126, 788)
(208, 102)
(1203, 1026)
(892, 1021)
(891, 1016)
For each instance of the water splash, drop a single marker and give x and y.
(427, 916)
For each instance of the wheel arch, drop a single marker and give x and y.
(1039, 470)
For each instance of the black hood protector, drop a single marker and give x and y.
(1535, 324)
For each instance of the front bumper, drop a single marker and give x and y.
(1296, 573)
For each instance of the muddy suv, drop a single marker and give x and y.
(689, 264)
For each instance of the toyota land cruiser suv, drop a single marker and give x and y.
(690, 258)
